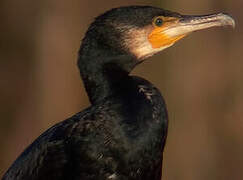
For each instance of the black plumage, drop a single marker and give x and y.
(121, 136)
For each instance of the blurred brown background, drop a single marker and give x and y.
(201, 78)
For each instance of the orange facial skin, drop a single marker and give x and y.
(158, 37)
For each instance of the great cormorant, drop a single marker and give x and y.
(121, 136)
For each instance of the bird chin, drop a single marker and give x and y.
(153, 51)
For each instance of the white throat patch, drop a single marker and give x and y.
(136, 39)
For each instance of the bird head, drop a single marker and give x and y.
(143, 31)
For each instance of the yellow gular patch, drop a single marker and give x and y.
(159, 38)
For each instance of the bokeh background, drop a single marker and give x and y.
(201, 78)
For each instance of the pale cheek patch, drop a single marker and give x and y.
(138, 44)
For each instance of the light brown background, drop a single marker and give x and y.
(201, 78)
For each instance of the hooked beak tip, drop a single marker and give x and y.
(227, 20)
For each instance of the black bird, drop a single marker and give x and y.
(121, 136)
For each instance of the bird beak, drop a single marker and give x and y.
(175, 28)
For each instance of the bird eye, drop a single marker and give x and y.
(158, 21)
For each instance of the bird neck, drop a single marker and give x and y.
(102, 69)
